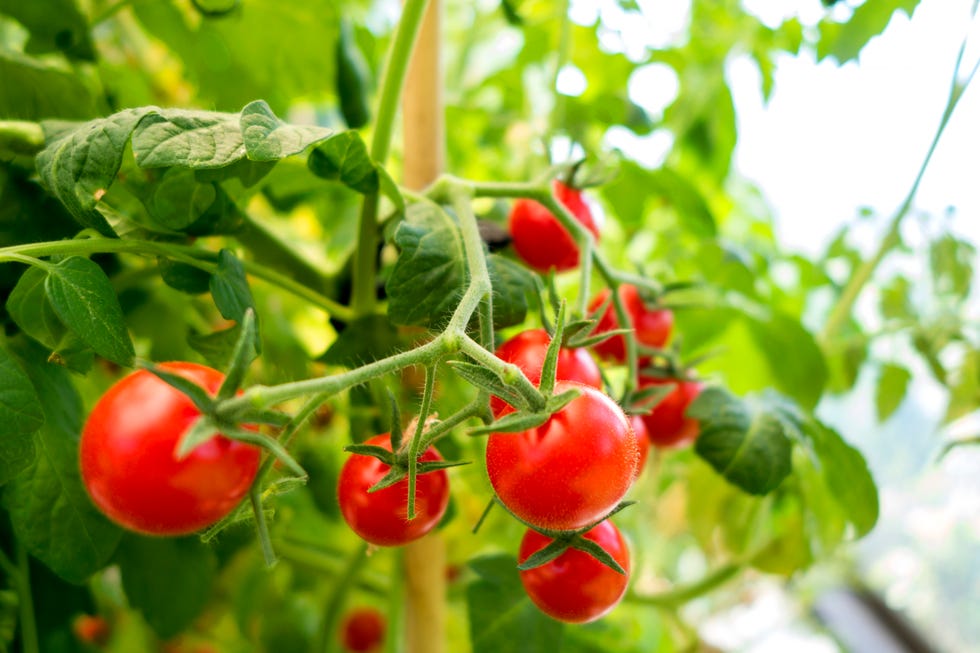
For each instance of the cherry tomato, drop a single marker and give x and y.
(666, 424)
(129, 463)
(540, 239)
(651, 325)
(571, 470)
(575, 587)
(642, 441)
(527, 351)
(382, 517)
(363, 630)
(91, 629)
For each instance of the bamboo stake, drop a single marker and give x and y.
(424, 161)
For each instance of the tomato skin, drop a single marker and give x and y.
(363, 630)
(575, 587)
(128, 459)
(381, 517)
(642, 441)
(651, 326)
(91, 629)
(540, 239)
(571, 470)
(666, 424)
(527, 350)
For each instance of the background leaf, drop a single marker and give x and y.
(21, 416)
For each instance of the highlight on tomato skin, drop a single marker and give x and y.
(539, 238)
(575, 587)
(128, 456)
(642, 441)
(381, 517)
(363, 630)
(570, 471)
(90, 629)
(667, 425)
(652, 326)
(527, 351)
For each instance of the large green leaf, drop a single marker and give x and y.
(802, 376)
(512, 285)
(187, 138)
(430, 274)
(746, 442)
(36, 89)
(55, 26)
(86, 303)
(893, 381)
(167, 579)
(269, 139)
(344, 158)
(51, 513)
(844, 41)
(229, 287)
(502, 617)
(21, 416)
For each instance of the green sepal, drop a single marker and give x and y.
(198, 395)
(486, 379)
(513, 423)
(373, 450)
(243, 354)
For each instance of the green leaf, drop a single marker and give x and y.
(55, 26)
(267, 138)
(363, 340)
(80, 166)
(21, 416)
(344, 157)
(895, 302)
(430, 274)
(179, 199)
(39, 89)
(747, 444)
(49, 509)
(892, 385)
(502, 617)
(847, 476)
(184, 277)
(229, 287)
(169, 580)
(805, 376)
(31, 310)
(512, 284)
(951, 262)
(86, 303)
(242, 356)
(186, 138)
(964, 395)
(845, 41)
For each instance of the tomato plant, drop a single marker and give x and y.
(575, 587)
(527, 350)
(381, 516)
(320, 278)
(571, 470)
(651, 325)
(129, 460)
(540, 239)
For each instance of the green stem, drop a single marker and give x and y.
(396, 67)
(262, 528)
(195, 256)
(683, 593)
(414, 448)
(336, 600)
(28, 622)
(327, 562)
(509, 372)
(842, 310)
(265, 396)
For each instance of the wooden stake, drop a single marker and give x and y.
(424, 139)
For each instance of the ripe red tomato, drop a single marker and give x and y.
(129, 464)
(382, 517)
(363, 630)
(575, 587)
(642, 441)
(91, 629)
(666, 424)
(651, 325)
(527, 350)
(540, 239)
(571, 470)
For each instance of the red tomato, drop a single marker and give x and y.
(571, 470)
(575, 587)
(527, 349)
(129, 463)
(363, 630)
(642, 441)
(540, 239)
(652, 326)
(91, 629)
(382, 517)
(666, 424)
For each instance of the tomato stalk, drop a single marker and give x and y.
(20, 575)
(393, 81)
(844, 306)
(335, 602)
(414, 448)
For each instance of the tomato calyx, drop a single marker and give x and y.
(565, 540)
